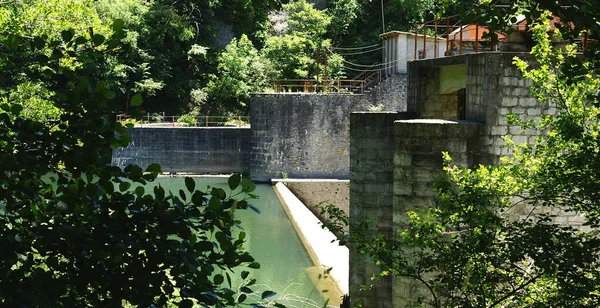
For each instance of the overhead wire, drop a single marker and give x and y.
(362, 70)
(362, 67)
(371, 65)
(358, 53)
(355, 48)
(351, 63)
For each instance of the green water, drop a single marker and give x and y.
(272, 241)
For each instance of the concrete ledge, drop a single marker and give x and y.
(320, 243)
(309, 180)
(312, 192)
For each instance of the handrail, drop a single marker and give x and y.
(162, 120)
(333, 86)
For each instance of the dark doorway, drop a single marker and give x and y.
(462, 103)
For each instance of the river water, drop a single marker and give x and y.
(272, 241)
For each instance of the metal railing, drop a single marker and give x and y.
(457, 37)
(162, 120)
(313, 86)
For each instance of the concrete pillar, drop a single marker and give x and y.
(371, 195)
(402, 54)
(417, 159)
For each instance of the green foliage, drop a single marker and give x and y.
(567, 158)
(343, 13)
(300, 52)
(35, 99)
(172, 51)
(50, 18)
(493, 238)
(45, 19)
(188, 120)
(77, 232)
(241, 71)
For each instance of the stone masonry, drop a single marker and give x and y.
(302, 135)
(190, 150)
(493, 88)
(371, 195)
(392, 91)
(417, 160)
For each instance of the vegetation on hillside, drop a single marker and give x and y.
(178, 55)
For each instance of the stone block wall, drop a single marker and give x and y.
(391, 92)
(496, 88)
(190, 150)
(302, 135)
(417, 160)
(371, 195)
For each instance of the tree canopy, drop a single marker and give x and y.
(78, 232)
(172, 51)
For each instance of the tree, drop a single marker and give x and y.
(301, 51)
(466, 251)
(78, 232)
(34, 18)
(129, 70)
(241, 71)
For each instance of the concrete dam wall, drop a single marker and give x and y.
(193, 150)
(302, 136)
(292, 135)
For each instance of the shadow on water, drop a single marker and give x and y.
(272, 241)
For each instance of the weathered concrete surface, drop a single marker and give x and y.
(371, 196)
(417, 159)
(315, 191)
(320, 243)
(193, 150)
(301, 135)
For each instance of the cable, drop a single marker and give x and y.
(372, 65)
(355, 48)
(359, 70)
(357, 53)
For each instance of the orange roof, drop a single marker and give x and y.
(470, 32)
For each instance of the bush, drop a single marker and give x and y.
(188, 120)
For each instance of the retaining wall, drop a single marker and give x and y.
(301, 135)
(192, 150)
(315, 191)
